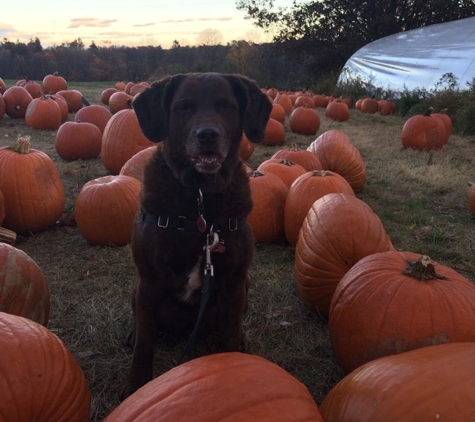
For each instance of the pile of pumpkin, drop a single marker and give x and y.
(393, 316)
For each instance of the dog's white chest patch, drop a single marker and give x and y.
(195, 281)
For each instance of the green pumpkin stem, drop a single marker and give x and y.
(423, 269)
(21, 145)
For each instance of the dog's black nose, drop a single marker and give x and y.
(207, 134)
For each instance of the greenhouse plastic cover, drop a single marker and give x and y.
(416, 59)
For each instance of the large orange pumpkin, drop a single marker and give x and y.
(303, 192)
(43, 113)
(73, 98)
(337, 110)
(308, 160)
(106, 94)
(246, 148)
(304, 121)
(221, 387)
(53, 83)
(122, 138)
(96, 114)
(16, 100)
(278, 113)
(41, 380)
(32, 187)
(369, 105)
(268, 193)
(424, 132)
(274, 133)
(427, 384)
(336, 153)
(134, 166)
(78, 141)
(287, 170)
(392, 302)
(337, 232)
(3, 87)
(120, 100)
(105, 209)
(23, 288)
(285, 101)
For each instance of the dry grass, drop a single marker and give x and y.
(423, 207)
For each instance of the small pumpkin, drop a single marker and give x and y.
(430, 383)
(386, 107)
(73, 98)
(32, 187)
(231, 379)
(285, 101)
(304, 101)
(96, 114)
(120, 86)
(53, 83)
(16, 100)
(43, 113)
(23, 288)
(337, 110)
(105, 209)
(369, 105)
(274, 133)
(321, 101)
(122, 138)
(3, 87)
(34, 88)
(392, 302)
(303, 192)
(304, 121)
(106, 94)
(336, 153)
(338, 230)
(41, 380)
(285, 169)
(246, 148)
(278, 113)
(120, 101)
(268, 193)
(78, 141)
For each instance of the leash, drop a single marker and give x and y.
(212, 244)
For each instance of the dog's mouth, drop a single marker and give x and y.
(207, 162)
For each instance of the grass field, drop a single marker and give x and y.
(424, 208)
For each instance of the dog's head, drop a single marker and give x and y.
(201, 119)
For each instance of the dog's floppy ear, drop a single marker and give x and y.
(152, 107)
(256, 107)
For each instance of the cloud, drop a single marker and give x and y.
(144, 24)
(223, 19)
(90, 22)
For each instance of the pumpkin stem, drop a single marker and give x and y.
(423, 269)
(255, 173)
(7, 236)
(321, 173)
(429, 111)
(21, 145)
(286, 162)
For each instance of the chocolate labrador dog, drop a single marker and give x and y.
(191, 231)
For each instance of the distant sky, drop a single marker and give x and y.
(119, 22)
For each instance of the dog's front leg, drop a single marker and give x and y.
(146, 298)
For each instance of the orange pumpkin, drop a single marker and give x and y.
(369, 105)
(120, 86)
(78, 141)
(308, 160)
(43, 113)
(120, 101)
(304, 101)
(274, 133)
(424, 132)
(285, 169)
(278, 113)
(321, 101)
(447, 121)
(2, 208)
(2, 107)
(134, 166)
(41, 380)
(336, 153)
(3, 87)
(105, 209)
(95, 114)
(63, 106)
(404, 301)
(122, 138)
(285, 101)
(34, 88)
(268, 193)
(23, 288)
(304, 121)
(16, 100)
(106, 94)
(386, 107)
(303, 192)
(220, 387)
(73, 98)
(337, 110)
(430, 383)
(53, 83)
(337, 232)
(31, 185)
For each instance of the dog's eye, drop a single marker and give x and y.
(184, 106)
(225, 104)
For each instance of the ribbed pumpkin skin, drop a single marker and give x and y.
(96, 114)
(268, 193)
(287, 170)
(73, 98)
(16, 100)
(2, 208)
(304, 121)
(122, 138)
(278, 113)
(303, 192)
(423, 132)
(41, 381)
(54, 83)
(285, 101)
(78, 140)
(338, 111)
(233, 387)
(336, 153)
(105, 209)
(135, 165)
(43, 113)
(23, 288)
(378, 311)
(274, 133)
(306, 159)
(427, 384)
(32, 188)
(337, 232)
